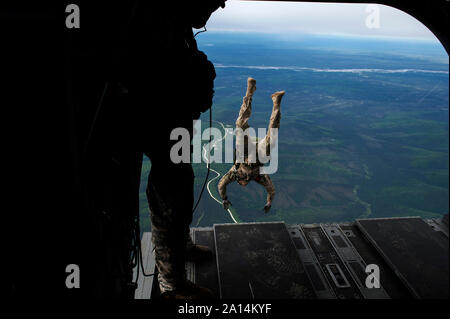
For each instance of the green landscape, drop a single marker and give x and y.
(364, 130)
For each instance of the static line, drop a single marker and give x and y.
(218, 174)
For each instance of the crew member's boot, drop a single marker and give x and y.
(188, 291)
(197, 253)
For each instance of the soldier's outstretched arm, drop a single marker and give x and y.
(270, 188)
(229, 177)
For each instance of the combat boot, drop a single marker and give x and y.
(198, 253)
(276, 97)
(188, 291)
(251, 86)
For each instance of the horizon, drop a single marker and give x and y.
(408, 47)
(292, 35)
(349, 20)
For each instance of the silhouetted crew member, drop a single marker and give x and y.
(244, 172)
(170, 83)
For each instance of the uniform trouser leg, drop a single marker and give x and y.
(170, 198)
(244, 115)
(274, 123)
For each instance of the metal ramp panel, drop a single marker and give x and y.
(438, 225)
(259, 261)
(319, 281)
(353, 261)
(390, 282)
(415, 252)
(331, 264)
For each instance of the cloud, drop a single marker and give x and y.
(315, 18)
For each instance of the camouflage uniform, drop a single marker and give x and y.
(170, 195)
(170, 187)
(251, 171)
(171, 214)
(170, 83)
(234, 175)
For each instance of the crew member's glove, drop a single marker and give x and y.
(226, 204)
(267, 207)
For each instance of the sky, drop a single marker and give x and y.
(317, 18)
